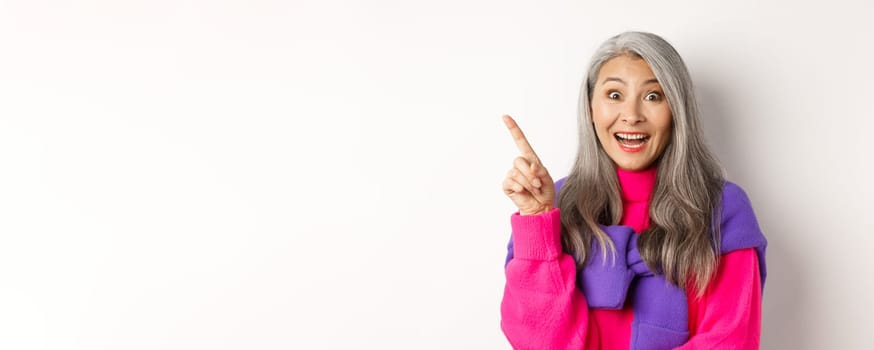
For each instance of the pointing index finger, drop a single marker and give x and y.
(519, 137)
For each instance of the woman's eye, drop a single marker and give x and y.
(652, 96)
(613, 95)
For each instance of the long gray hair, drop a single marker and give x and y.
(682, 241)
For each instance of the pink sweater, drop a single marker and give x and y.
(543, 309)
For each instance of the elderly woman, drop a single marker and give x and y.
(644, 245)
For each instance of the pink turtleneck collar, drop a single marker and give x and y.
(637, 188)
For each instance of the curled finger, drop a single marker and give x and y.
(524, 166)
(512, 187)
(517, 176)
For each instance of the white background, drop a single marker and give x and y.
(326, 174)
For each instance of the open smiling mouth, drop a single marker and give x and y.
(631, 142)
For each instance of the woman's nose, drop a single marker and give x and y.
(631, 114)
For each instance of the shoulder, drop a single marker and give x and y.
(739, 226)
(733, 190)
(735, 200)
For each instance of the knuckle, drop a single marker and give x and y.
(520, 177)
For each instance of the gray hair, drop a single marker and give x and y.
(683, 238)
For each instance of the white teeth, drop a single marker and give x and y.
(631, 136)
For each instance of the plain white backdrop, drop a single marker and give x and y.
(326, 174)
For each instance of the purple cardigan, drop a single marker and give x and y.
(660, 308)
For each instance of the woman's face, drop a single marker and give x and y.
(630, 113)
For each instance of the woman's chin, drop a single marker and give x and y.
(632, 164)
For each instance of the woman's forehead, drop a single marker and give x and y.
(625, 70)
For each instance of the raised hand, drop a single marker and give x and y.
(528, 183)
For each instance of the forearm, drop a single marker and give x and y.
(541, 307)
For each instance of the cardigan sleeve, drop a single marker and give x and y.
(541, 307)
(729, 314)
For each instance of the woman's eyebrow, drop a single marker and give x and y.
(609, 79)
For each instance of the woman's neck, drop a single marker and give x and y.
(637, 188)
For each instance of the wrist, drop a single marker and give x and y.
(537, 237)
(542, 210)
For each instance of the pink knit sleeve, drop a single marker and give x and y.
(729, 315)
(542, 308)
